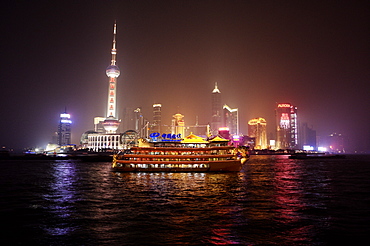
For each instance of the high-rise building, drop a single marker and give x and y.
(216, 110)
(257, 130)
(64, 129)
(157, 118)
(307, 137)
(178, 125)
(231, 119)
(128, 119)
(141, 124)
(286, 126)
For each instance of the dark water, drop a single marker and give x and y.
(272, 201)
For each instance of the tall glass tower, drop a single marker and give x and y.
(231, 119)
(286, 126)
(257, 130)
(157, 118)
(178, 125)
(216, 110)
(64, 129)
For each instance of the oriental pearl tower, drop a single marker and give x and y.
(111, 123)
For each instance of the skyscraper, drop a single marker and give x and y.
(257, 130)
(64, 129)
(111, 123)
(128, 119)
(231, 119)
(178, 125)
(286, 126)
(307, 136)
(157, 118)
(139, 120)
(216, 110)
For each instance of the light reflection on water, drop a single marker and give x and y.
(273, 200)
(266, 195)
(186, 204)
(61, 197)
(213, 208)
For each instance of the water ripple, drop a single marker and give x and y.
(273, 200)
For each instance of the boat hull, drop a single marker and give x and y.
(193, 166)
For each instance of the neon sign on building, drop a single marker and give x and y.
(283, 105)
(284, 121)
(165, 137)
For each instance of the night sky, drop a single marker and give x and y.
(312, 54)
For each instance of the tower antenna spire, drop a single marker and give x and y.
(114, 50)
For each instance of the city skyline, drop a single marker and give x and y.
(312, 55)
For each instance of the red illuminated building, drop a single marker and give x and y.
(286, 126)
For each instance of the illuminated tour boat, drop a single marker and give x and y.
(191, 154)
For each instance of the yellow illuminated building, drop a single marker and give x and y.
(257, 130)
(178, 125)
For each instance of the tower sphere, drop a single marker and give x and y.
(111, 124)
(112, 71)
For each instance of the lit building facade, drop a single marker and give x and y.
(104, 142)
(224, 132)
(286, 126)
(216, 120)
(64, 129)
(231, 119)
(178, 125)
(257, 130)
(157, 118)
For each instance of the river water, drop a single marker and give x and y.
(272, 201)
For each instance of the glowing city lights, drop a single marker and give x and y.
(322, 149)
(64, 115)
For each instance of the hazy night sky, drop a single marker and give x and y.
(312, 54)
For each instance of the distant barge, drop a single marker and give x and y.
(315, 156)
